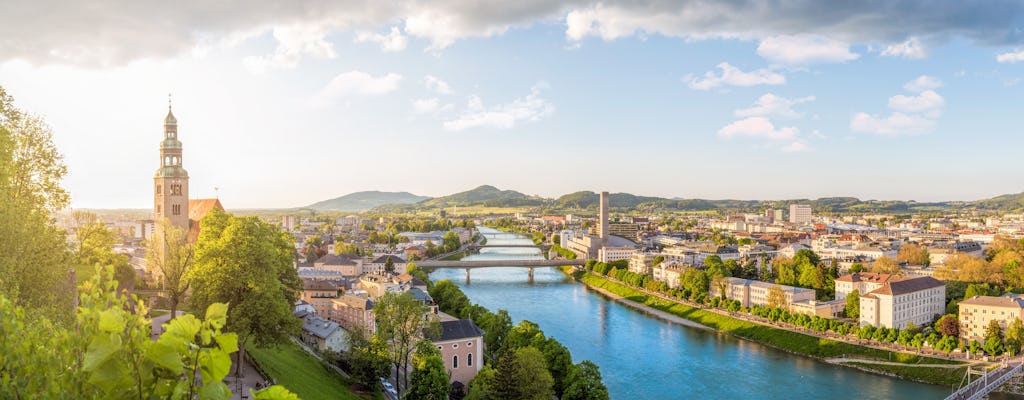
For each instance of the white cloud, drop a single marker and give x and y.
(923, 83)
(797, 146)
(770, 105)
(895, 124)
(928, 101)
(1011, 57)
(425, 106)
(360, 83)
(735, 77)
(293, 43)
(393, 41)
(911, 48)
(759, 127)
(531, 108)
(804, 49)
(436, 84)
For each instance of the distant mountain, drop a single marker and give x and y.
(362, 201)
(1006, 202)
(485, 195)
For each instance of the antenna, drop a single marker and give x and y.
(216, 192)
(168, 102)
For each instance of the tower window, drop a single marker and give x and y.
(176, 189)
(455, 362)
(469, 360)
(158, 187)
(158, 209)
(176, 209)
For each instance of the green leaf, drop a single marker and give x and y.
(227, 342)
(214, 364)
(217, 314)
(215, 391)
(111, 320)
(185, 327)
(276, 392)
(100, 349)
(165, 354)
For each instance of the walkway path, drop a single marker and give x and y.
(841, 360)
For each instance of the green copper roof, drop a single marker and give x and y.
(171, 172)
(170, 144)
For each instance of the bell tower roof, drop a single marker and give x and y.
(169, 119)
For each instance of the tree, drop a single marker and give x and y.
(170, 256)
(400, 322)
(559, 362)
(1014, 336)
(886, 265)
(856, 267)
(993, 346)
(368, 359)
(585, 383)
(777, 298)
(948, 326)
(247, 263)
(33, 255)
(522, 375)
(429, 380)
(496, 327)
(480, 386)
(913, 254)
(994, 330)
(853, 304)
(389, 265)
(109, 353)
(714, 267)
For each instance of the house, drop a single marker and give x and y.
(345, 264)
(324, 335)
(669, 272)
(862, 282)
(318, 293)
(902, 300)
(415, 252)
(411, 281)
(353, 312)
(461, 344)
(377, 285)
(377, 266)
(978, 311)
(640, 263)
(938, 253)
(752, 293)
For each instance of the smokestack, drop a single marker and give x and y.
(603, 227)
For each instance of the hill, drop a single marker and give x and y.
(485, 195)
(362, 201)
(1006, 202)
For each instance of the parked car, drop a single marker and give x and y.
(388, 387)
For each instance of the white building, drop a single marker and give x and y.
(640, 263)
(669, 272)
(609, 254)
(752, 293)
(892, 301)
(799, 213)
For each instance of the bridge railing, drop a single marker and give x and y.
(986, 383)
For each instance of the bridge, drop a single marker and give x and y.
(535, 246)
(528, 264)
(986, 383)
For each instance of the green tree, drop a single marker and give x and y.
(33, 253)
(853, 304)
(585, 383)
(856, 267)
(1014, 336)
(526, 376)
(777, 298)
(109, 353)
(429, 380)
(559, 362)
(526, 333)
(496, 327)
(994, 330)
(400, 322)
(389, 265)
(247, 263)
(170, 256)
(993, 346)
(714, 267)
(368, 359)
(480, 386)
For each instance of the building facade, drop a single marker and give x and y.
(897, 302)
(752, 293)
(977, 312)
(799, 213)
(461, 344)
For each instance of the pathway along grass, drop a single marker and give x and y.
(300, 372)
(788, 340)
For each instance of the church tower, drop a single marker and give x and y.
(170, 184)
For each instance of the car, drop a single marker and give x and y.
(388, 387)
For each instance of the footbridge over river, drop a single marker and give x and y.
(986, 382)
(528, 264)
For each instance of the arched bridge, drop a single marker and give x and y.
(475, 247)
(528, 264)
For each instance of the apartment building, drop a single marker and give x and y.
(979, 311)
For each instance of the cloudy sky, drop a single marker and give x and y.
(282, 104)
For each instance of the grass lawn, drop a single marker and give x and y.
(301, 373)
(942, 376)
(780, 338)
(455, 257)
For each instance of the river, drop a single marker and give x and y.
(642, 357)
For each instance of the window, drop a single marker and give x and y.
(469, 360)
(158, 209)
(455, 362)
(158, 188)
(176, 209)
(469, 344)
(455, 345)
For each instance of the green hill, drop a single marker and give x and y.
(1006, 202)
(362, 201)
(485, 195)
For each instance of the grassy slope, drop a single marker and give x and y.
(783, 339)
(301, 373)
(941, 376)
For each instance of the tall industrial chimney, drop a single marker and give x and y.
(603, 227)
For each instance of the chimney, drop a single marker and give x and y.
(603, 227)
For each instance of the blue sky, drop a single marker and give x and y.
(285, 107)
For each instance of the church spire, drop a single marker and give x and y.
(170, 120)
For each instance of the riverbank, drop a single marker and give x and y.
(901, 365)
(654, 312)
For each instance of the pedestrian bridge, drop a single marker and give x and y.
(986, 383)
(528, 264)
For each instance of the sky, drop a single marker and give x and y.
(283, 104)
